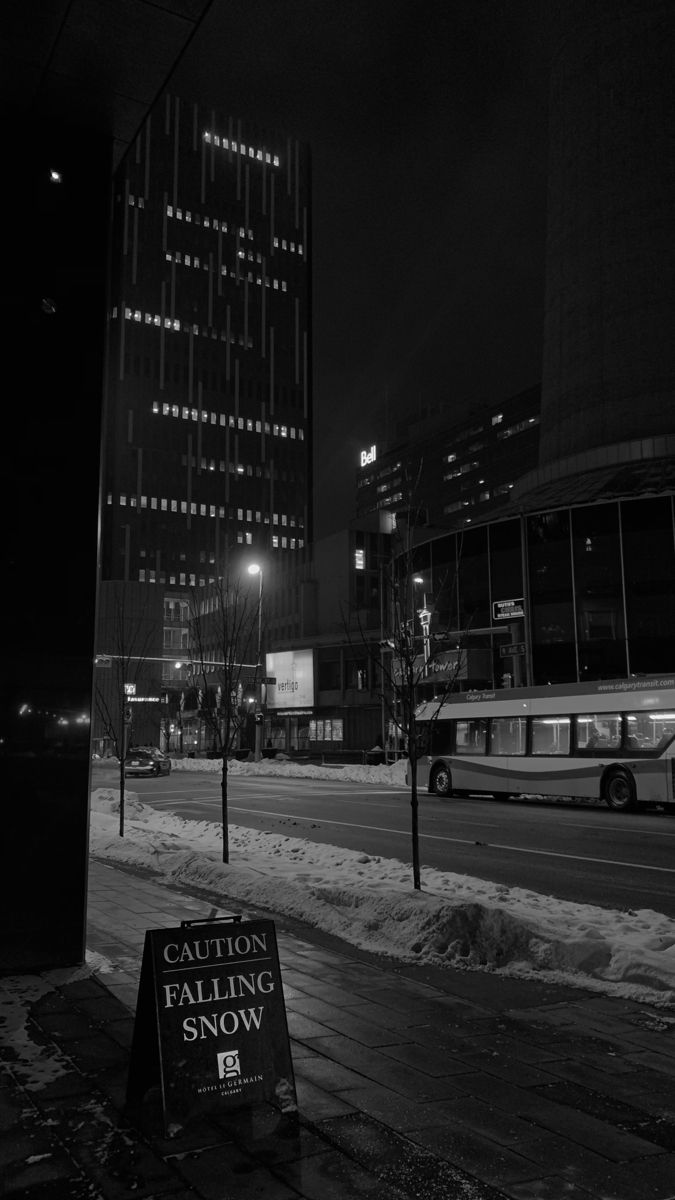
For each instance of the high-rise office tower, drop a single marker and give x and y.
(209, 409)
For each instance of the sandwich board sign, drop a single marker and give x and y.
(210, 1026)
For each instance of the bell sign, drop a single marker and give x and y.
(368, 456)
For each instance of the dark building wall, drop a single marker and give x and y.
(53, 316)
(609, 353)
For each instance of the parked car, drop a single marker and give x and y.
(146, 760)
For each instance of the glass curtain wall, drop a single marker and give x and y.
(649, 571)
(598, 592)
(600, 589)
(551, 597)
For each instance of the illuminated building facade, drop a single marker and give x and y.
(453, 472)
(207, 450)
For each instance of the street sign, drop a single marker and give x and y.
(507, 610)
(210, 1025)
(514, 648)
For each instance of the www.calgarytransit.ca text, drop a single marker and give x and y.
(217, 988)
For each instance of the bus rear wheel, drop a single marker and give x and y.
(619, 790)
(441, 782)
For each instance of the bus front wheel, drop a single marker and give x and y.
(441, 783)
(619, 791)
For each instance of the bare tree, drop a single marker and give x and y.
(225, 661)
(127, 633)
(414, 652)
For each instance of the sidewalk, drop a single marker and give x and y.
(412, 1084)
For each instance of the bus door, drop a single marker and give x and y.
(469, 764)
(507, 749)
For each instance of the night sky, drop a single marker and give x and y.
(427, 124)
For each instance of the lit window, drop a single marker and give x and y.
(360, 560)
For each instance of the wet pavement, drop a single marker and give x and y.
(411, 1082)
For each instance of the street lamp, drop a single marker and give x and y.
(424, 615)
(256, 569)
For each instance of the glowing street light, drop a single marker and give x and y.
(256, 569)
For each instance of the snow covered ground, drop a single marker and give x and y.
(369, 901)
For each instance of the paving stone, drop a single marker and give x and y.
(331, 1176)
(402, 1164)
(374, 1065)
(551, 1188)
(648, 1179)
(397, 1112)
(477, 1155)
(584, 1099)
(558, 1156)
(316, 1103)
(327, 1074)
(437, 1064)
(63, 1025)
(226, 1171)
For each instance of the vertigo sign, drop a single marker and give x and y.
(210, 1024)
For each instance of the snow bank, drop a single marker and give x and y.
(369, 901)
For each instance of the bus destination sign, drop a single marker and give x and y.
(508, 610)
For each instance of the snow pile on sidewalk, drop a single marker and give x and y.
(370, 902)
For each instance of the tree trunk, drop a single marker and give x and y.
(415, 825)
(122, 781)
(223, 797)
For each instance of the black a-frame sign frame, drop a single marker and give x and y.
(210, 1026)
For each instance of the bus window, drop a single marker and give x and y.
(598, 731)
(471, 737)
(440, 737)
(507, 735)
(551, 735)
(649, 731)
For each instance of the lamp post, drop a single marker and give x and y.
(424, 615)
(256, 569)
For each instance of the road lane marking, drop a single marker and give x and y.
(436, 837)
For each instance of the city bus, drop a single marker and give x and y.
(612, 740)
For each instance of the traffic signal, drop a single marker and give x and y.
(259, 718)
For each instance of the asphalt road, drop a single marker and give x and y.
(586, 854)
